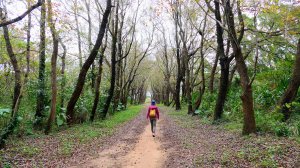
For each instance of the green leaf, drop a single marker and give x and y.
(197, 112)
(19, 118)
(4, 111)
(59, 122)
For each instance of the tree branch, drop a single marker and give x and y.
(5, 23)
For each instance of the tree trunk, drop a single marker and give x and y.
(247, 95)
(187, 86)
(97, 87)
(213, 73)
(41, 91)
(113, 65)
(78, 33)
(63, 76)
(179, 76)
(53, 68)
(82, 75)
(118, 66)
(224, 62)
(17, 88)
(28, 45)
(202, 85)
(14, 62)
(90, 45)
(292, 89)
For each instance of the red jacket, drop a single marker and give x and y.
(156, 111)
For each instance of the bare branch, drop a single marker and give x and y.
(5, 23)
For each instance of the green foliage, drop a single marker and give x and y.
(270, 123)
(268, 87)
(4, 112)
(207, 106)
(120, 107)
(83, 105)
(4, 116)
(61, 117)
(7, 165)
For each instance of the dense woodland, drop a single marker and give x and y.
(70, 62)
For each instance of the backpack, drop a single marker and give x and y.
(152, 113)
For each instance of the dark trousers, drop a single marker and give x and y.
(153, 124)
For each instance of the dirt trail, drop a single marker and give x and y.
(146, 151)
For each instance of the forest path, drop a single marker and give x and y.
(132, 149)
(185, 141)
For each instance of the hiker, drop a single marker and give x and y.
(153, 114)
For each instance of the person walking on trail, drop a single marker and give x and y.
(153, 114)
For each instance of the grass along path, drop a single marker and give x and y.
(62, 148)
(197, 144)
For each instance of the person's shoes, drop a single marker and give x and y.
(153, 135)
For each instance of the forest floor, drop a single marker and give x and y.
(181, 141)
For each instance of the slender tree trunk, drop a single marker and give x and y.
(202, 85)
(63, 76)
(167, 91)
(292, 89)
(224, 62)
(90, 45)
(53, 68)
(78, 33)
(118, 66)
(247, 95)
(28, 45)
(113, 64)
(97, 87)
(82, 75)
(179, 76)
(213, 73)
(41, 91)
(167, 73)
(187, 87)
(183, 86)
